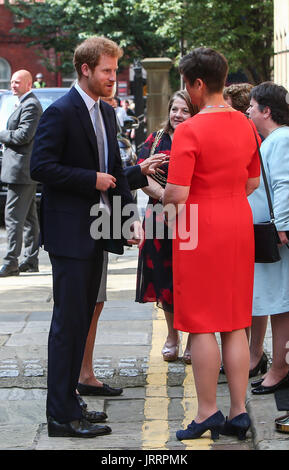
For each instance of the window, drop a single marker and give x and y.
(5, 74)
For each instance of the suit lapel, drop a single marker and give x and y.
(85, 120)
(18, 109)
(14, 116)
(109, 135)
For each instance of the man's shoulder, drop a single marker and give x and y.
(30, 98)
(31, 102)
(64, 101)
(106, 107)
(60, 106)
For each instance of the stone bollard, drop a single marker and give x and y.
(158, 91)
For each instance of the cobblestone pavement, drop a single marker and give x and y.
(158, 397)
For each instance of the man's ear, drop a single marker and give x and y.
(84, 70)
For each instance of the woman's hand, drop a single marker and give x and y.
(137, 235)
(283, 238)
(149, 165)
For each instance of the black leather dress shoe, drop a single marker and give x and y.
(91, 416)
(81, 402)
(77, 428)
(8, 270)
(26, 267)
(94, 416)
(105, 390)
(263, 390)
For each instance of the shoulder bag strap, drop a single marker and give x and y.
(156, 141)
(272, 217)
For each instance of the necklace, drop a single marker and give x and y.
(216, 106)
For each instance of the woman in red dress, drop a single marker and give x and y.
(214, 165)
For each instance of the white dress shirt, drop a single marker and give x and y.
(90, 102)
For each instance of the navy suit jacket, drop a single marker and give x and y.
(65, 160)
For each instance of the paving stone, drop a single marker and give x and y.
(129, 372)
(102, 360)
(35, 327)
(274, 444)
(25, 411)
(9, 373)
(27, 339)
(3, 340)
(11, 327)
(103, 373)
(18, 437)
(9, 368)
(121, 412)
(20, 394)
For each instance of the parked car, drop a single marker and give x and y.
(46, 97)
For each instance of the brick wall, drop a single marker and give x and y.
(14, 49)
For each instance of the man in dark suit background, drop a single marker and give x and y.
(20, 209)
(76, 157)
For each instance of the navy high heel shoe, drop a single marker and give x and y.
(237, 426)
(194, 430)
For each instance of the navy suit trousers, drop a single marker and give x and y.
(75, 288)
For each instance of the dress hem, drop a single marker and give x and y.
(210, 331)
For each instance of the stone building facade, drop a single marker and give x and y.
(281, 42)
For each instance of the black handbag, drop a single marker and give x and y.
(266, 235)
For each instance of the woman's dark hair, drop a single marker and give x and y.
(208, 65)
(184, 95)
(275, 97)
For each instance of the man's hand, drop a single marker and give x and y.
(138, 233)
(104, 181)
(149, 165)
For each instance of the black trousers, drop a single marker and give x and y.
(75, 288)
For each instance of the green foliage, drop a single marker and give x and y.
(61, 24)
(241, 29)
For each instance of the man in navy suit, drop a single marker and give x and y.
(76, 157)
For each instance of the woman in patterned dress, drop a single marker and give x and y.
(155, 278)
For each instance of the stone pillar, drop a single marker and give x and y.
(281, 42)
(158, 91)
